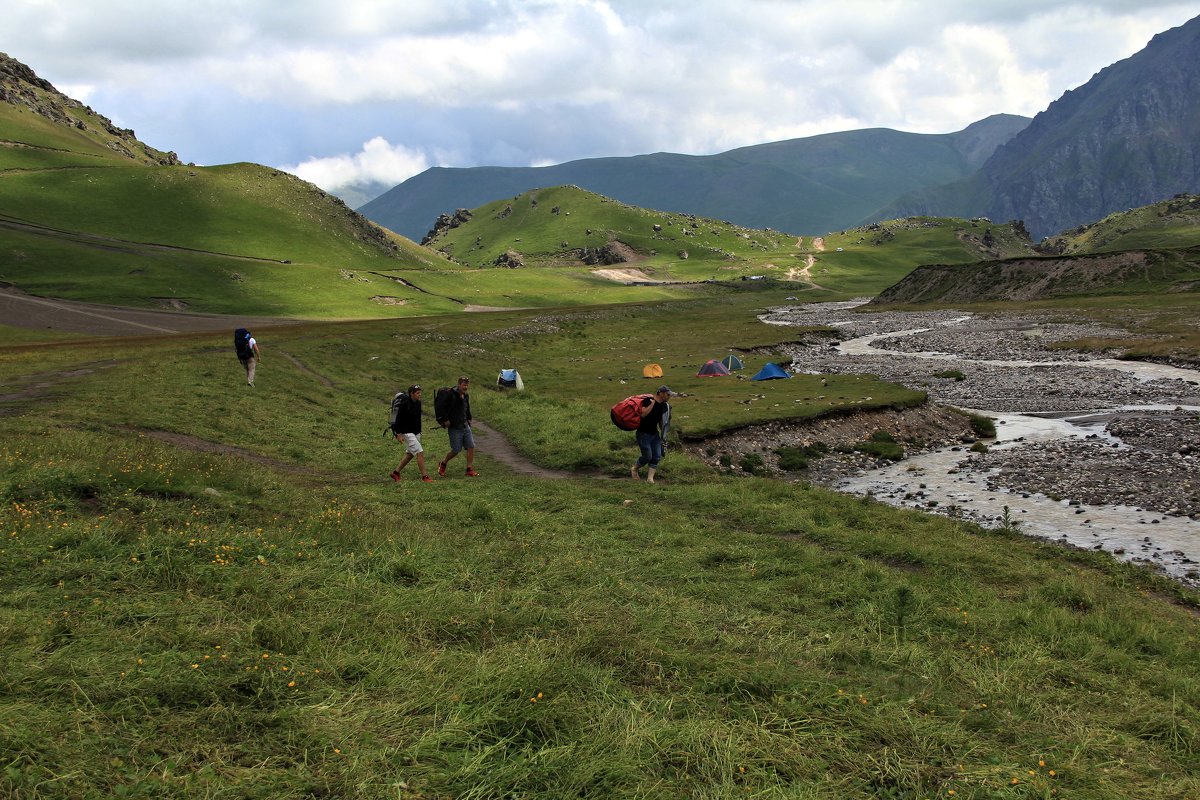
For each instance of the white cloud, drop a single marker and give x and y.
(466, 82)
(377, 162)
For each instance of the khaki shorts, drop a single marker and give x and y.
(411, 442)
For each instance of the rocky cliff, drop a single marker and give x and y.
(1128, 137)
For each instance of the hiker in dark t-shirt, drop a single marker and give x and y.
(652, 432)
(407, 431)
(457, 423)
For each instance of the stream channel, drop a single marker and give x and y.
(943, 480)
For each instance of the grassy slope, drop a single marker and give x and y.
(532, 227)
(870, 261)
(1171, 224)
(102, 215)
(29, 140)
(181, 623)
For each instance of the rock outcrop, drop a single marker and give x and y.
(20, 86)
(444, 223)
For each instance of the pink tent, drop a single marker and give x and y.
(713, 369)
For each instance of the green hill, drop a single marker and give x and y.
(235, 238)
(569, 227)
(87, 212)
(1173, 223)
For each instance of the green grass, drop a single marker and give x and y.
(548, 226)
(180, 623)
(1166, 225)
(876, 256)
(537, 287)
(33, 141)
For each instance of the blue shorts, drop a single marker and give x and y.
(460, 438)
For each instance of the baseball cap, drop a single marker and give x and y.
(666, 389)
(416, 387)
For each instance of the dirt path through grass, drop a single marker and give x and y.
(22, 310)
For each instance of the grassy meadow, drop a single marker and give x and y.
(212, 590)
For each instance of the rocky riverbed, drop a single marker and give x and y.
(1079, 432)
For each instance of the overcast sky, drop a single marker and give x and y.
(375, 91)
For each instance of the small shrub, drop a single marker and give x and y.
(979, 447)
(982, 426)
(883, 436)
(725, 460)
(950, 373)
(886, 450)
(751, 463)
(794, 459)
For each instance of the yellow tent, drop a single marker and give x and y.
(652, 371)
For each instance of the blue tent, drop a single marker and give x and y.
(770, 372)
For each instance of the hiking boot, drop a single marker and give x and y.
(426, 479)
(442, 468)
(471, 473)
(395, 474)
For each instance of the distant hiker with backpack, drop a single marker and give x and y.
(452, 407)
(247, 352)
(652, 432)
(406, 427)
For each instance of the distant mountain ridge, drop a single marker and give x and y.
(1128, 137)
(804, 186)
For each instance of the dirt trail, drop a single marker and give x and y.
(44, 313)
(804, 274)
(38, 387)
(626, 276)
(300, 365)
(494, 444)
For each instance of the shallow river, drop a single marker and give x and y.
(934, 481)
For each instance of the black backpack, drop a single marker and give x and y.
(241, 344)
(399, 403)
(441, 404)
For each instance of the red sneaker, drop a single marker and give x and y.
(471, 473)
(426, 479)
(395, 475)
(442, 468)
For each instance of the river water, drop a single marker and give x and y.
(938, 481)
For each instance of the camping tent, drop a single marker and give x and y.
(712, 369)
(510, 379)
(732, 362)
(770, 372)
(652, 371)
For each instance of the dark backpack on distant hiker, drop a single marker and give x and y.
(241, 344)
(441, 404)
(399, 405)
(627, 414)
